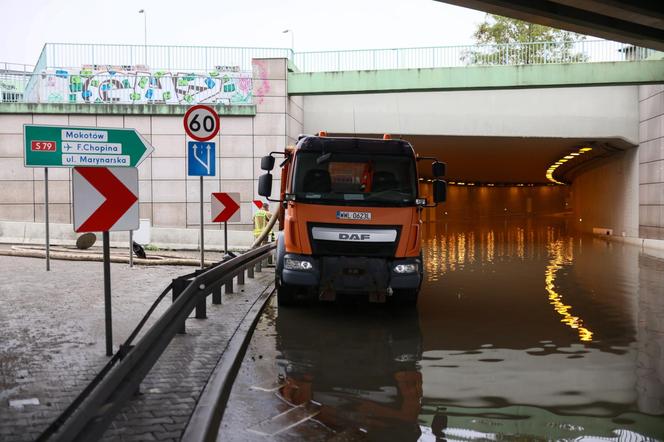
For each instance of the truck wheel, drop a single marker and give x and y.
(405, 297)
(285, 295)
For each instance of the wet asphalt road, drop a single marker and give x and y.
(524, 330)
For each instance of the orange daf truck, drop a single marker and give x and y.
(351, 221)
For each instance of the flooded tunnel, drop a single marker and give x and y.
(528, 326)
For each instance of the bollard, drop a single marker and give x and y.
(179, 285)
(250, 272)
(229, 285)
(240, 277)
(216, 295)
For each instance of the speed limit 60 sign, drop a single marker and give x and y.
(201, 122)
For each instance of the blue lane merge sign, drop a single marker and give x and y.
(200, 157)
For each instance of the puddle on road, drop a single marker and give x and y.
(521, 332)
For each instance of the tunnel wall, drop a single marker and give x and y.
(605, 195)
(651, 161)
(475, 202)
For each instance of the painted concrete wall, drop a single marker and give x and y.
(167, 196)
(606, 195)
(591, 112)
(651, 161)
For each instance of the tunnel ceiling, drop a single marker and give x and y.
(509, 160)
(639, 22)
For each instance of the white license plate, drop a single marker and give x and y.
(359, 216)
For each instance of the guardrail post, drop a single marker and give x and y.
(201, 309)
(259, 265)
(229, 285)
(179, 285)
(216, 295)
(240, 277)
(250, 272)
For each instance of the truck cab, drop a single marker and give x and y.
(351, 221)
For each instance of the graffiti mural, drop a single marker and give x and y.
(139, 85)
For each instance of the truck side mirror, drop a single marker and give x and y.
(265, 184)
(439, 191)
(267, 162)
(438, 169)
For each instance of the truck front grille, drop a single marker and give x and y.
(353, 248)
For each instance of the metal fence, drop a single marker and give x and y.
(200, 59)
(582, 51)
(205, 66)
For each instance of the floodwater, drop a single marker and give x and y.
(524, 330)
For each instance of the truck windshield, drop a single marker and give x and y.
(352, 178)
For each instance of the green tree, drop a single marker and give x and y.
(511, 41)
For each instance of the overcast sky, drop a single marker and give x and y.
(317, 24)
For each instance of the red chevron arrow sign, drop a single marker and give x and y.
(105, 199)
(225, 207)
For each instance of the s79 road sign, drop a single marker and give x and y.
(201, 122)
(65, 146)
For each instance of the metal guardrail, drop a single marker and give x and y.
(92, 412)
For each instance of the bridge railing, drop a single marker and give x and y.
(581, 51)
(199, 59)
(207, 74)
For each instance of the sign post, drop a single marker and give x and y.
(225, 207)
(202, 124)
(105, 199)
(48, 241)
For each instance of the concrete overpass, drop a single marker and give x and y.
(494, 125)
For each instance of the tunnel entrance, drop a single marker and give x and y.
(507, 176)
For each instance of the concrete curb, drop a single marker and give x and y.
(68, 256)
(209, 411)
(651, 247)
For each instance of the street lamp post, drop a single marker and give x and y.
(145, 34)
(292, 39)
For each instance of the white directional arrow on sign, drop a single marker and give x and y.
(226, 207)
(105, 199)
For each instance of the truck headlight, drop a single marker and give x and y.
(297, 264)
(405, 268)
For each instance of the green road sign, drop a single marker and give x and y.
(62, 146)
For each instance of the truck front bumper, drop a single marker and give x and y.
(352, 274)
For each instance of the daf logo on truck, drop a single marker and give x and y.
(354, 237)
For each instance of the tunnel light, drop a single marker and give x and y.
(471, 184)
(421, 179)
(451, 182)
(490, 184)
(568, 157)
(585, 149)
(461, 184)
(575, 154)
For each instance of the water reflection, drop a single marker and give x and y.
(557, 260)
(524, 330)
(360, 367)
